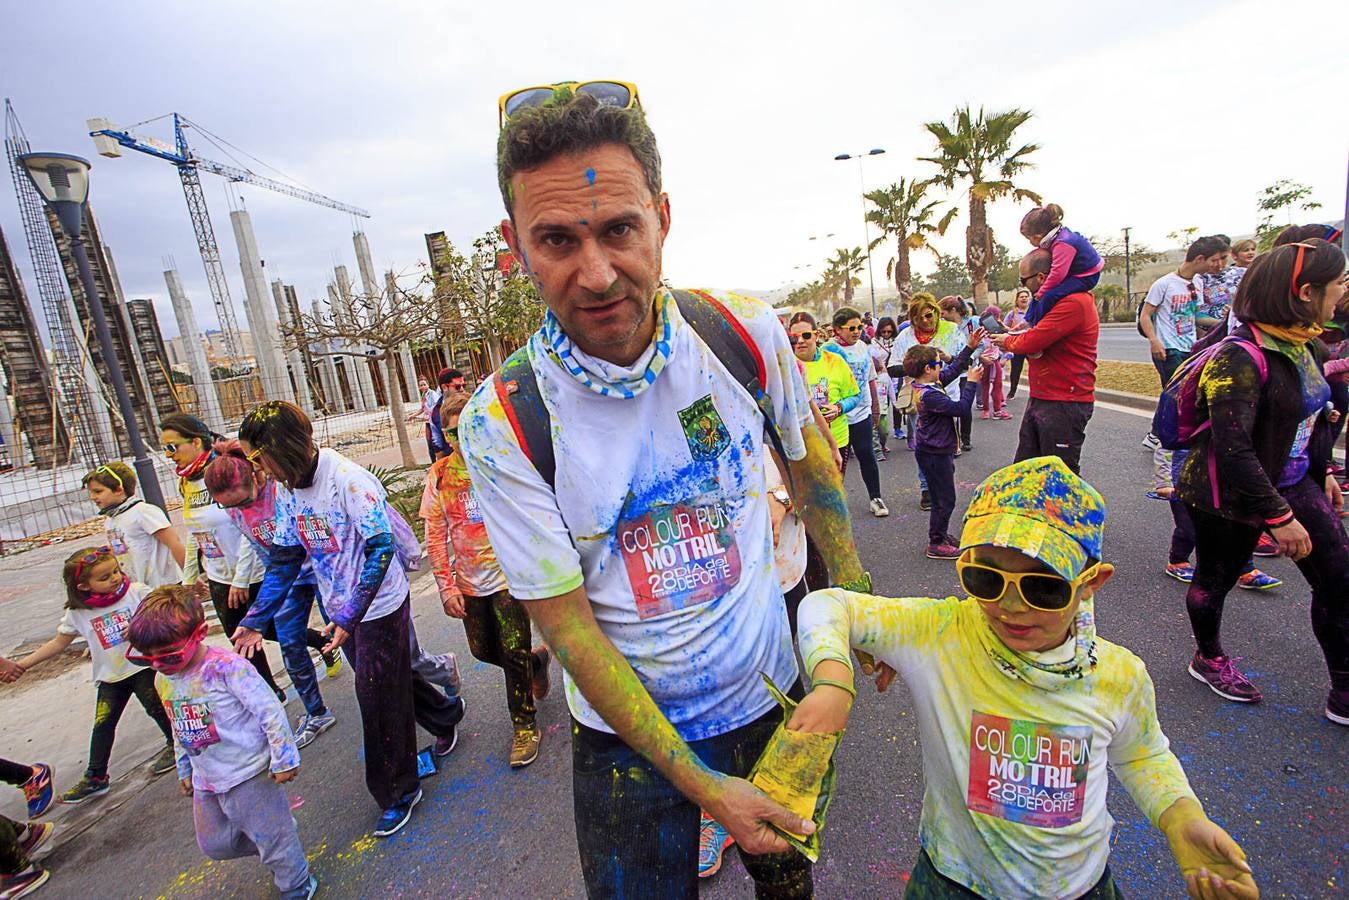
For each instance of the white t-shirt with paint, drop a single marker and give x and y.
(226, 556)
(1177, 302)
(331, 520)
(104, 630)
(660, 510)
(949, 339)
(858, 355)
(131, 535)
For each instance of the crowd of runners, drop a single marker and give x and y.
(653, 485)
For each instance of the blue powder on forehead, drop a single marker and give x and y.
(590, 176)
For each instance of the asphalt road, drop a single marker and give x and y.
(1274, 774)
(1122, 342)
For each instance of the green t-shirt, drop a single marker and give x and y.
(830, 379)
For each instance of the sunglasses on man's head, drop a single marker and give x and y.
(622, 94)
(1039, 590)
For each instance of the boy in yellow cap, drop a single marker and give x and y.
(1020, 705)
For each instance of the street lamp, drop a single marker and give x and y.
(866, 228)
(62, 181)
(1128, 270)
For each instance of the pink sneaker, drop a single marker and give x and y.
(943, 551)
(985, 414)
(1002, 414)
(1224, 679)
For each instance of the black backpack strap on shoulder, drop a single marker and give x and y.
(729, 342)
(518, 390)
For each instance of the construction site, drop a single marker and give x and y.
(59, 417)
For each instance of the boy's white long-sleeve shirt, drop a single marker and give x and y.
(1015, 803)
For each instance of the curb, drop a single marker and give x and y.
(1125, 398)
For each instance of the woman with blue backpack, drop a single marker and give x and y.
(1259, 460)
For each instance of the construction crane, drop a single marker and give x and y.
(109, 141)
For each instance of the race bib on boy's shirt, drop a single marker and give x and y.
(679, 556)
(315, 533)
(192, 724)
(110, 628)
(117, 542)
(206, 542)
(1032, 773)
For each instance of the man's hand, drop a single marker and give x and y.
(1213, 865)
(976, 337)
(337, 634)
(999, 339)
(1158, 349)
(283, 777)
(185, 785)
(975, 374)
(824, 710)
(880, 673)
(777, 512)
(1334, 494)
(246, 641)
(453, 604)
(1294, 542)
(745, 811)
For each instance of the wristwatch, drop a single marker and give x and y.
(780, 494)
(859, 585)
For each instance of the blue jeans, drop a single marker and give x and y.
(292, 633)
(638, 836)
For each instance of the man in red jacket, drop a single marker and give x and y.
(1061, 350)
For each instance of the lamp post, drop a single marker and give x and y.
(62, 181)
(1128, 271)
(866, 228)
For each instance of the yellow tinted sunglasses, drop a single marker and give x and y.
(622, 94)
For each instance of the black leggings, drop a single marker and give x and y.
(111, 699)
(1222, 548)
(1017, 362)
(860, 446)
(14, 773)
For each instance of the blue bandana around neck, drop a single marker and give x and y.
(605, 378)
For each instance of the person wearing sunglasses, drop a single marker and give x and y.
(1023, 708)
(148, 548)
(1264, 464)
(643, 552)
(235, 748)
(864, 418)
(450, 382)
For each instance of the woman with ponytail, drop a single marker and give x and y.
(1263, 465)
(216, 549)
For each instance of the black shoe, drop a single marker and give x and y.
(965, 446)
(925, 501)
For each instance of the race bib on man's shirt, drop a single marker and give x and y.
(192, 724)
(209, 548)
(315, 533)
(679, 556)
(110, 628)
(1032, 773)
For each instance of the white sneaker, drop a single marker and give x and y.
(1150, 441)
(878, 508)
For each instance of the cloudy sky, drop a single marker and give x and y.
(1155, 115)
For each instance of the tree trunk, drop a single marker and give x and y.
(978, 248)
(396, 409)
(847, 290)
(903, 273)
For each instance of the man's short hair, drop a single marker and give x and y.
(918, 358)
(1207, 246)
(572, 123)
(1038, 261)
(845, 314)
(448, 375)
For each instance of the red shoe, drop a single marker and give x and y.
(1267, 546)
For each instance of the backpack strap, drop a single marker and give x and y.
(517, 387)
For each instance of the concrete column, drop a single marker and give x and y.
(208, 404)
(261, 319)
(363, 263)
(9, 446)
(327, 366)
(362, 384)
(303, 398)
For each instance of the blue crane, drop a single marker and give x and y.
(109, 141)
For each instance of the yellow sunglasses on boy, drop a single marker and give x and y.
(622, 94)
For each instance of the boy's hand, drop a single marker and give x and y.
(283, 777)
(825, 709)
(975, 374)
(977, 337)
(185, 785)
(453, 604)
(1210, 861)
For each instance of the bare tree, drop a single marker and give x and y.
(485, 298)
(374, 327)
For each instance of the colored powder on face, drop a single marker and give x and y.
(590, 177)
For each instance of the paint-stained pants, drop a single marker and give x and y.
(1223, 547)
(926, 883)
(1054, 428)
(497, 628)
(296, 638)
(111, 699)
(394, 700)
(253, 819)
(638, 836)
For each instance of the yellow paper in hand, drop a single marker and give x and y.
(792, 768)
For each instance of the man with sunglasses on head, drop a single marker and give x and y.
(1022, 707)
(637, 534)
(450, 381)
(1061, 351)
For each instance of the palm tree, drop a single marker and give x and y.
(904, 212)
(978, 149)
(845, 265)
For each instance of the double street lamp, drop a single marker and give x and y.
(866, 228)
(62, 181)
